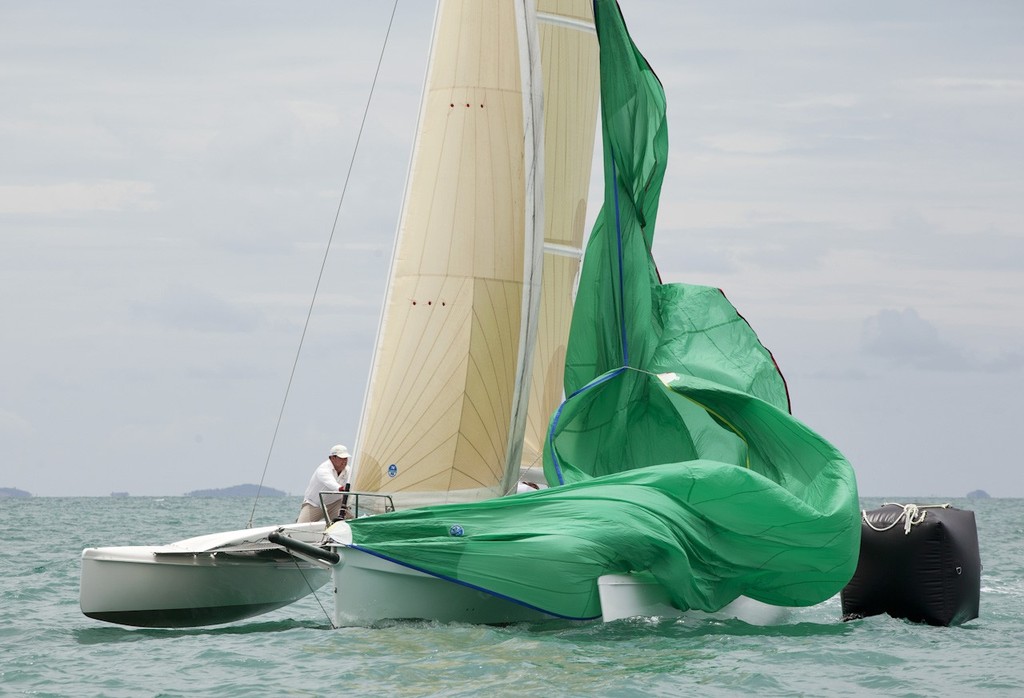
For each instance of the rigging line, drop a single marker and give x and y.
(313, 592)
(323, 262)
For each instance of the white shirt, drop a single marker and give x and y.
(324, 479)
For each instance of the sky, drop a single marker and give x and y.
(850, 174)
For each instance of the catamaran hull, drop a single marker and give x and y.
(640, 595)
(369, 589)
(173, 587)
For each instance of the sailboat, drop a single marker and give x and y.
(680, 480)
(470, 353)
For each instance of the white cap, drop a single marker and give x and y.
(340, 451)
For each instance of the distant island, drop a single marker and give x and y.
(238, 491)
(13, 492)
(978, 494)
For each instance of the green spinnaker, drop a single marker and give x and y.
(675, 454)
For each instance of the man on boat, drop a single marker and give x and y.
(330, 476)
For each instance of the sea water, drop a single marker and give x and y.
(47, 647)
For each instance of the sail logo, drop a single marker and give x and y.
(456, 531)
(392, 470)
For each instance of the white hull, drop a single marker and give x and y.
(369, 589)
(207, 580)
(640, 595)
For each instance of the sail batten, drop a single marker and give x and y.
(568, 22)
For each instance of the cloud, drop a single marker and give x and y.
(748, 142)
(906, 339)
(193, 309)
(826, 101)
(14, 424)
(76, 197)
(1008, 361)
(969, 88)
(915, 237)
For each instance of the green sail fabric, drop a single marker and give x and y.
(614, 309)
(624, 316)
(708, 531)
(675, 454)
(627, 419)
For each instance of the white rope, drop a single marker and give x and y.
(313, 591)
(912, 515)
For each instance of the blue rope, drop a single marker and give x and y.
(558, 415)
(622, 290)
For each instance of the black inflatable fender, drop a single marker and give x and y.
(927, 571)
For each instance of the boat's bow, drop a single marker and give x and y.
(206, 580)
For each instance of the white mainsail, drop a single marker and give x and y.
(487, 208)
